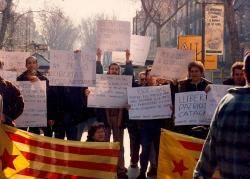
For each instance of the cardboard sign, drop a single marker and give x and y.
(113, 35)
(14, 61)
(8, 75)
(214, 96)
(139, 48)
(35, 105)
(171, 63)
(72, 69)
(110, 91)
(190, 108)
(153, 102)
(214, 29)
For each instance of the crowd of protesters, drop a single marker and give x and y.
(67, 115)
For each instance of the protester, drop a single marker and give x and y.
(33, 75)
(69, 109)
(195, 82)
(237, 78)
(12, 100)
(115, 118)
(150, 131)
(96, 133)
(227, 144)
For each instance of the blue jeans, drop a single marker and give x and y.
(150, 134)
(66, 127)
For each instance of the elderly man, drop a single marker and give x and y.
(227, 146)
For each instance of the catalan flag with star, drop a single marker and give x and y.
(24, 156)
(178, 156)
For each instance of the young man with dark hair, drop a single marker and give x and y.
(237, 78)
(227, 144)
(32, 74)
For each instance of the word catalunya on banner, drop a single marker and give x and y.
(24, 155)
(178, 156)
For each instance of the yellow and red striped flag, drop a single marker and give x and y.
(24, 155)
(178, 156)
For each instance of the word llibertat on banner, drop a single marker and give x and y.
(110, 91)
(35, 108)
(174, 60)
(152, 102)
(190, 108)
(72, 69)
(113, 35)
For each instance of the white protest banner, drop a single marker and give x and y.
(139, 48)
(8, 75)
(190, 108)
(152, 102)
(118, 57)
(113, 35)
(35, 105)
(213, 98)
(214, 29)
(171, 63)
(110, 91)
(72, 69)
(14, 60)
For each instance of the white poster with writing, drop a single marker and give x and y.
(153, 102)
(110, 91)
(72, 69)
(214, 29)
(190, 108)
(8, 75)
(14, 61)
(113, 35)
(172, 63)
(214, 96)
(35, 105)
(139, 48)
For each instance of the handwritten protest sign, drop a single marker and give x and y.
(113, 35)
(171, 63)
(72, 69)
(213, 98)
(139, 48)
(14, 60)
(110, 91)
(118, 57)
(35, 108)
(190, 108)
(8, 75)
(149, 102)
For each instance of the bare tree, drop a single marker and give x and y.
(230, 13)
(6, 16)
(160, 13)
(58, 30)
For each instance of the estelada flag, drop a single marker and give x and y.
(178, 156)
(24, 155)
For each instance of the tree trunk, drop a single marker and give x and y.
(5, 21)
(233, 31)
(158, 35)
